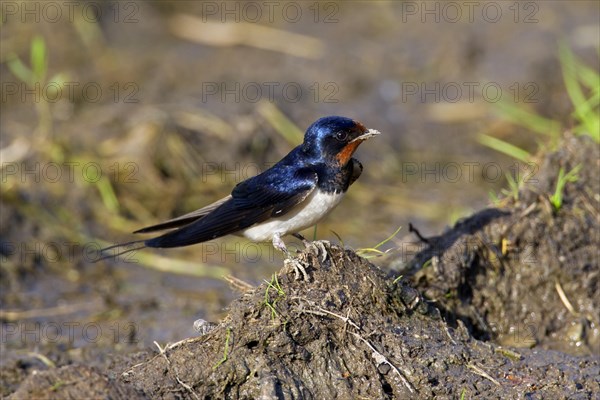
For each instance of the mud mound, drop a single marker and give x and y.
(526, 274)
(349, 332)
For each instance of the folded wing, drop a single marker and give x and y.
(184, 219)
(252, 201)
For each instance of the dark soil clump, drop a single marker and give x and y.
(526, 274)
(351, 332)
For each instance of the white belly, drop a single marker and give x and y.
(306, 214)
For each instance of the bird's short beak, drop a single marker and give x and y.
(370, 133)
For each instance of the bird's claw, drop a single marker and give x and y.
(321, 245)
(314, 247)
(317, 248)
(299, 269)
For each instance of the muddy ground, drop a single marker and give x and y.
(446, 324)
(526, 274)
(164, 146)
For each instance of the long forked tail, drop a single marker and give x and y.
(104, 255)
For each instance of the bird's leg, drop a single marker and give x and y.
(279, 244)
(305, 242)
(316, 245)
(299, 269)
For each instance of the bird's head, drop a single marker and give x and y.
(335, 138)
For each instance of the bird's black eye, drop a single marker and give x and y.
(341, 136)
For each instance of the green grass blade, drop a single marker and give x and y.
(503, 147)
(576, 74)
(20, 70)
(39, 59)
(363, 251)
(282, 125)
(529, 120)
(388, 238)
(107, 194)
(572, 176)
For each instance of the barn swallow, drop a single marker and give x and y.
(292, 195)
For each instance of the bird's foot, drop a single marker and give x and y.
(316, 247)
(305, 242)
(299, 269)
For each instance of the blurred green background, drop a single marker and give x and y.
(117, 115)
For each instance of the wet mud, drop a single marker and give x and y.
(525, 274)
(446, 324)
